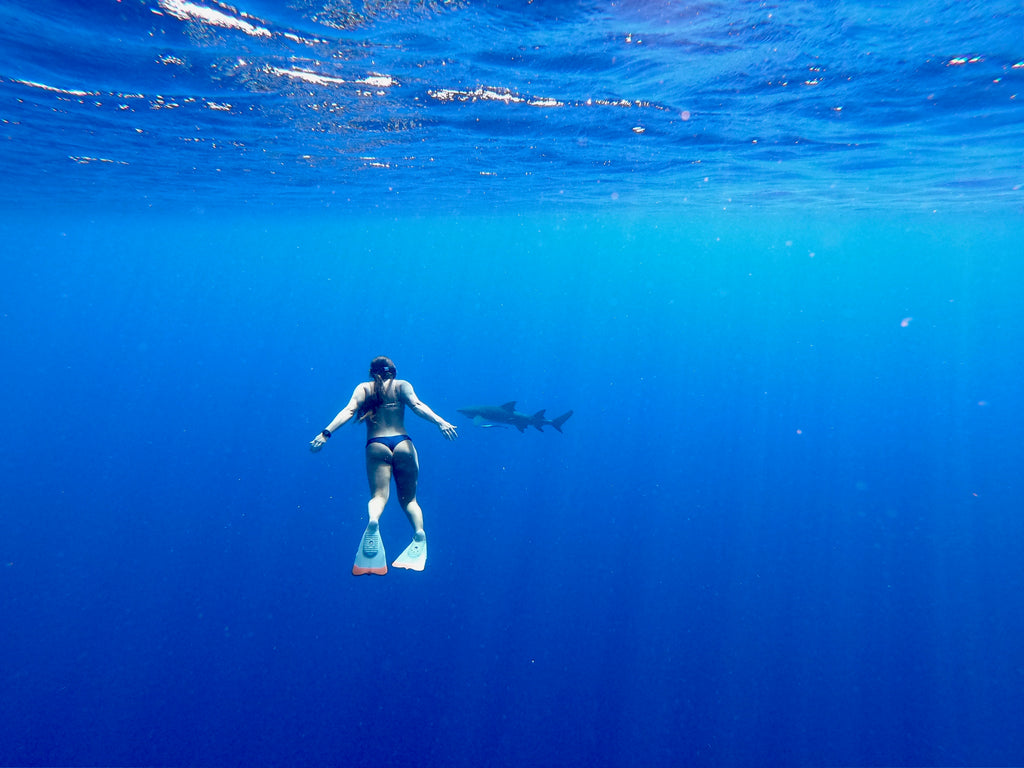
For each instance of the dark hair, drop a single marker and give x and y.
(382, 367)
(381, 370)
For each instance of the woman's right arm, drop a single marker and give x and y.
(343, 417)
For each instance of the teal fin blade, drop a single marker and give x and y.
(370, 557)
(415, 555)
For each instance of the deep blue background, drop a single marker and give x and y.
(770, 254)
(782, 527)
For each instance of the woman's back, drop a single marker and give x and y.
(386, 416)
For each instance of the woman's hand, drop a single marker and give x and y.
(317, 443)
(448, 430)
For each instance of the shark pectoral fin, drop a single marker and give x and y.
(480, 421)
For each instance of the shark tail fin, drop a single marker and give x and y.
(557, 423)
(537, 420)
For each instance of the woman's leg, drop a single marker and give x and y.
(406, 465)
(378, 472)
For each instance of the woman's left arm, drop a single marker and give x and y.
(422, 410)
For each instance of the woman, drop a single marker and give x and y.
(389, 451)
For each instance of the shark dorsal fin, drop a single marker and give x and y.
(510, 406)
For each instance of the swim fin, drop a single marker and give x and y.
(370, 557)
(415, 555)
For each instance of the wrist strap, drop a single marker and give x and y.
(326, 434)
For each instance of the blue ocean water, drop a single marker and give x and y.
(768, 253)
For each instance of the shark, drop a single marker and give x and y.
(506, 415)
